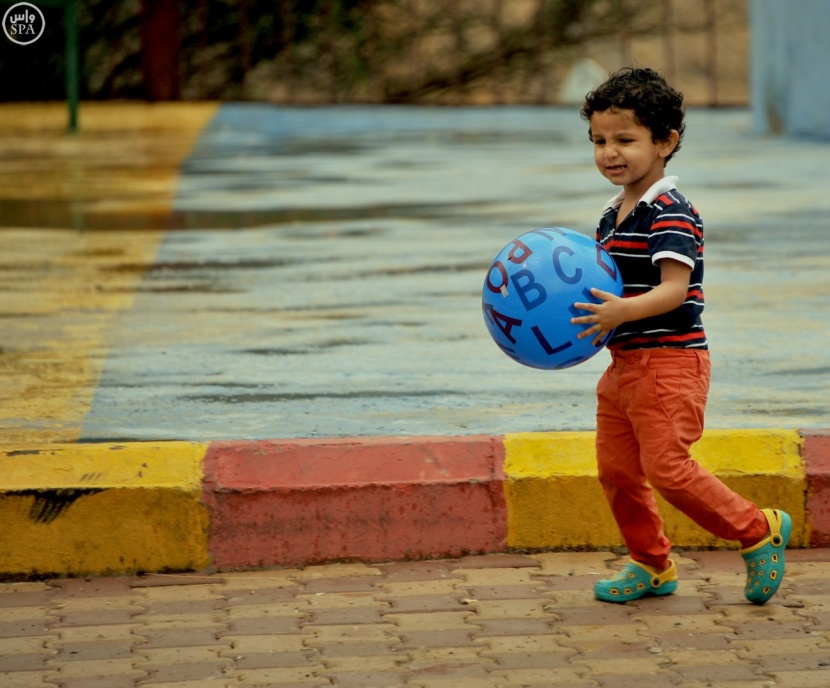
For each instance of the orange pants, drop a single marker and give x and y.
(649, 413)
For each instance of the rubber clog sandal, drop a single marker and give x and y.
(637, 580)
(765, 561)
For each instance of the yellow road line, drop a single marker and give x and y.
(62, 287)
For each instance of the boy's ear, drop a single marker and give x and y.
(667, 146)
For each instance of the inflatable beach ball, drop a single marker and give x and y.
(530, 290)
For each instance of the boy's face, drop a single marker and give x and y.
(624, 151)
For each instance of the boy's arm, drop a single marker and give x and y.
(614, 311)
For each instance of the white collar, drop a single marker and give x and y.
(659, 187)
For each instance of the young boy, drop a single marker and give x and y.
(652, 397)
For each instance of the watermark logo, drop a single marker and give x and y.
(23, 23)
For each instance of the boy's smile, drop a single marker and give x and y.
(625, 153)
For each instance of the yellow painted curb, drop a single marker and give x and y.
(102, 509)
(554, 499)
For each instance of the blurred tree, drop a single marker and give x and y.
(315, 51)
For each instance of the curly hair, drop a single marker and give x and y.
(655, 104)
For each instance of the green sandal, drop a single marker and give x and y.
(765, 561)
(637, 580)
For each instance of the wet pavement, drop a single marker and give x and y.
(328, 282)
(476, 622)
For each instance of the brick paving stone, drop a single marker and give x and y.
(266, 660)
(617, 666)
(31, 625)
(567, 564)
(216, 682)
(546, 676)
(26, 597)
(336, 572)
(510, 609)
(320, 635)
(292, 609)
(429, 621)
(364, 649)
(530, 660)
(180, 637)
(796, 662)
(457, 637)
(496, 627)
(800, 679)
(87, 588)
(98, 668)
(97, 682)
(244, 596)
(599, 636)
(23, 662)
(593, 615)
(367, 679)
(349, 615)
(678, 605)
(179, 672)
(112, 649)
(95, 617)
(28, 679)
(498, 561)
(721, 674)
(496, 576)
(623, 650)
(345, 584)
(663, 680)
(276, 625)
(82, 634)
(184, 607)
(272, 677)
(760, 682)
(402, 571)
(683, 658)
(421, 658)
(337, 600)
(452, 671)
(689, 623)
(757, 630)
(388, 661)
(425, 603)
(423, 587)
(34, 644)
(696, 641)
(758, 649)
(506, 592)
(583, 584)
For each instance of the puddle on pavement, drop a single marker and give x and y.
(270, 397)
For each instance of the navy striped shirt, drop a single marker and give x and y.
(664, 224)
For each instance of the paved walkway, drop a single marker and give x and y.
(474, 622)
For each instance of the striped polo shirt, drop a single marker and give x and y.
(664, 224)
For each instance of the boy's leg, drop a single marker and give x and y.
(667, 409)
(621, 474)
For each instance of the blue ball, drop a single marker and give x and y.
(530, 290)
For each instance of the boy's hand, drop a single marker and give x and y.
(605, 316)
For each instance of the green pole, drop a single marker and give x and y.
(70, 20)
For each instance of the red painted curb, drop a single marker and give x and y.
(296, 502)
(816, 457)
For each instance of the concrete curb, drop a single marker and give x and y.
(89, 509)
